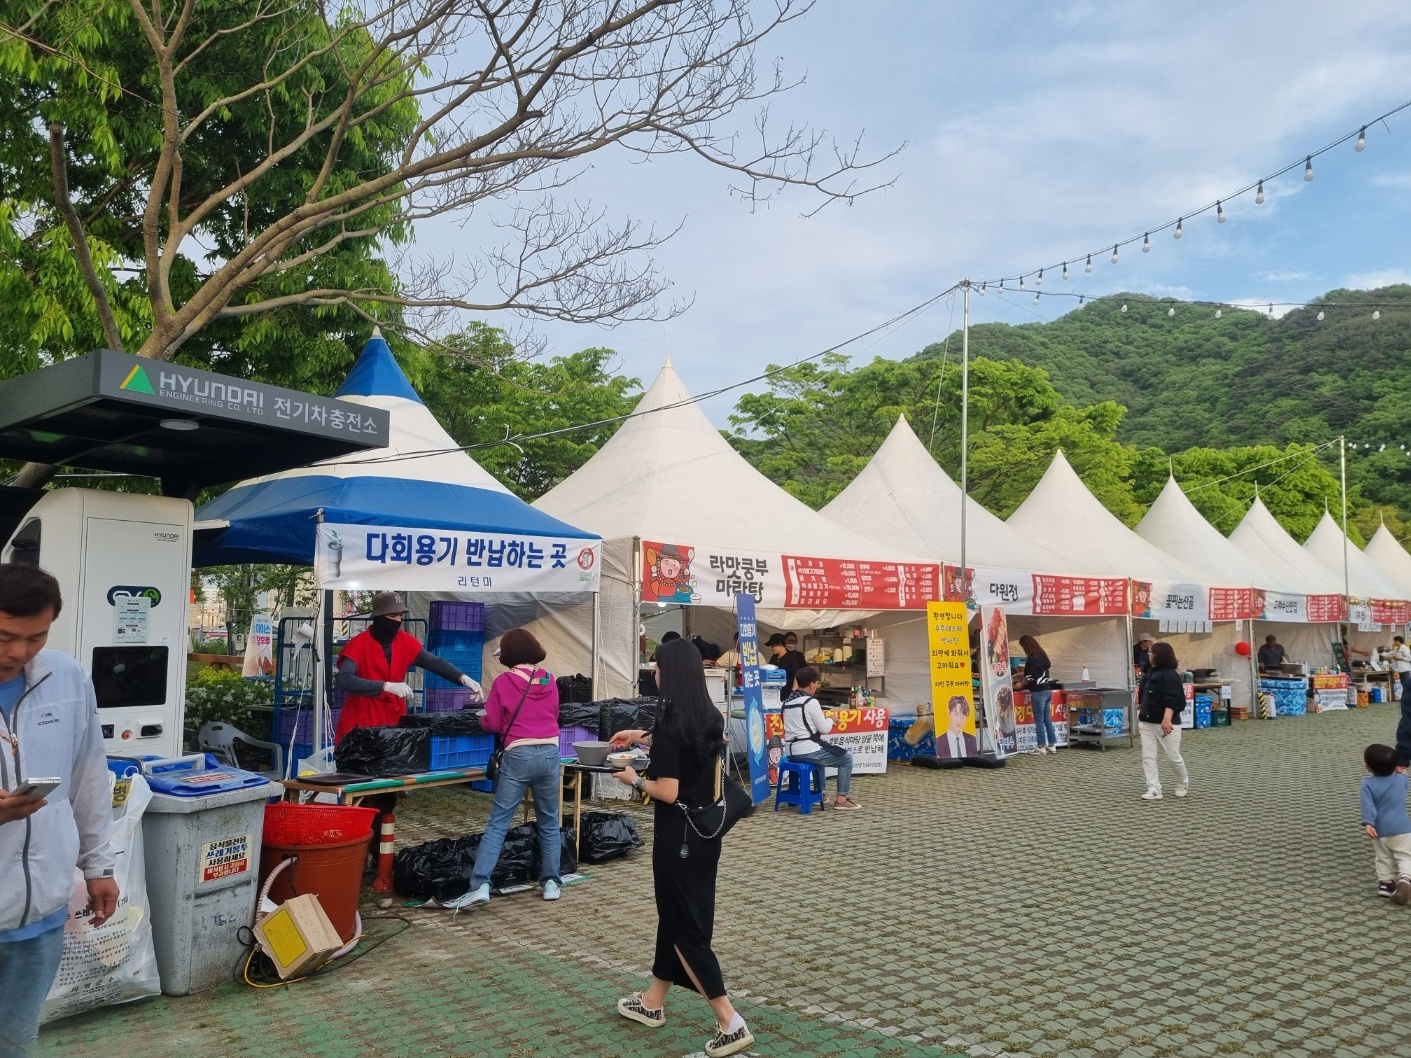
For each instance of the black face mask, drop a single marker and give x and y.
(384, 629)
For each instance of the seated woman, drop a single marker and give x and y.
(804, 727)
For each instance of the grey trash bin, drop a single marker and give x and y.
(203, 867)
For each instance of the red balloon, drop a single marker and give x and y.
(1242, 649)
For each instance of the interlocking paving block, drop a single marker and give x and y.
(1040, 909)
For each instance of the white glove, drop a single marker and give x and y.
(400, 689)
(476, 693)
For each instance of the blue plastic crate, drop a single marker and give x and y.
(461, 751)
(447, 643)
(457, 616)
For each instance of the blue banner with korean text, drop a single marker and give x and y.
(380, 557)
(753, 695)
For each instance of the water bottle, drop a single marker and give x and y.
(1086, 677)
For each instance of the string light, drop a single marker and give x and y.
(1376, 314)
(1146, 243)
(1219, 313)
(1089, 266)
(1036, 297)
(1308, 169)
(1065, 269)
(1124, 306)
(1177, 233)
(1362, 144)
(1259, 194)
(1171, 311)
(1039, 279)
(1219, 212)
(1021, 282)
(1114, 253)
(1320, 314)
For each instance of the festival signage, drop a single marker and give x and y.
(1079, 596)
(1323, 608)
(862, 732)
(1390, 611)
(1231, 604)
(1162, 601)
(1282, 606)
(753, 694)
(259, 647)
(997, 685)
(1027, 730)
(1010, 588)
(382, 557)
(953, 703)
(848, 584)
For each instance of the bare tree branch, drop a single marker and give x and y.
(58, 161)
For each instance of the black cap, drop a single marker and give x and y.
(776, 640)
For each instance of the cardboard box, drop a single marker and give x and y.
(297, 936)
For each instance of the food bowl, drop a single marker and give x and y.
(593, 754)
(618, 761)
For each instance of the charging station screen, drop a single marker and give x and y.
(127, 676)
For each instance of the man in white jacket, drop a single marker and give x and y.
(48, 729)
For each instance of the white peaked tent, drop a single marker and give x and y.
(1365, 579)
(669, 476)
(1072, 521)
(1260, 536)
(1389, 555)
(904, 499)
(1173, 524)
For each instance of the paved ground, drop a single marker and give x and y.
(1040, 909)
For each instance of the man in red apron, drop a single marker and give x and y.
(372, 669)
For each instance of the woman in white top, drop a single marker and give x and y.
(804, 724)
(1401, 662)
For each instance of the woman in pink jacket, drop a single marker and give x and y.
(523, 709)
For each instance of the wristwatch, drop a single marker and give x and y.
(640, 785)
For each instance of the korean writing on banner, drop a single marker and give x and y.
(687, 575)
(952, 697)
(371, 557)
(996, 683)
(1390, 611)
(1084, 596)
(1281, 606)
(862, 732)
(1231, 604)
(753, 695)
(854, 584)
(990, 587)
(1326, 608)
(1027, 730)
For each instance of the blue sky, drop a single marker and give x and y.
(1033, 133)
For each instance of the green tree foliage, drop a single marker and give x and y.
(483, 393)
(820, 423)
(242, 587)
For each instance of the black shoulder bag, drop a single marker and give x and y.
(492, 769)
(714, 821)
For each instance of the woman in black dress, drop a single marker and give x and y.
(686, 754)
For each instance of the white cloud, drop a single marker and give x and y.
(1372, 280)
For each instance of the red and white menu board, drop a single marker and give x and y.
(854, 584)
(1080, 596)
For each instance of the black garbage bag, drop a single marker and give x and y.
(568, 862)
(580, 714)
(578, 688)
(625, 714)
(384, 751)
(462, 722)
(441, 870)
(607, 836)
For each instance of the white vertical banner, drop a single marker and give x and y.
(1001, 730)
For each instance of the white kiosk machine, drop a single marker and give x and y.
(123, 559)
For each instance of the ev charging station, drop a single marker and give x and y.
(123, 559)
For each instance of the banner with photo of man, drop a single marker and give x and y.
(953, 706)
(1001, 730)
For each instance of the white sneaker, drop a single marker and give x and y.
(478, 895)
(1053, 749)
(1152, 795)
(1181, 791)
(551, 890)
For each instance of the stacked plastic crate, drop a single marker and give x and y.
(457, 634)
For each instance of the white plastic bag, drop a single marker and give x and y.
(114, 963)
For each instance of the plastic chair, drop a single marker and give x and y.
(225, 740)
(800, 783)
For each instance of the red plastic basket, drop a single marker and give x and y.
(294, 826)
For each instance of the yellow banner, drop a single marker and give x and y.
(947, 625)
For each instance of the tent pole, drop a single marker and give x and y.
(1253, 674)
(964, 433)
(316, 690)
(634, 633)
(1342, 460)
(597, 652)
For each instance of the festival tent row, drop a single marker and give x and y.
(417, 516)
(687, 521)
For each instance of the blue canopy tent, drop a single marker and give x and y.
(417, 516)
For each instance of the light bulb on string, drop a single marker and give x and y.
(1001, 286)
(1065, 269)
(1080, 299)
(1219, 313)
(1361, 140)
(1036, 297)
(1259, 194)
(1320, 314)
(1177, 233)
(1021, 282)
(1039, 279)
(1089, 266)
(1376, 314)
(1146, 243)
(1114, 253)
(1124, 306)
(1308, 168)
(1171, 311)
(1219, 212)
(1271, 308)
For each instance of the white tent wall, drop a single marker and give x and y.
(1313, 643)
(1099, 644)
(1210, 650)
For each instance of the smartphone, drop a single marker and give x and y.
(39, 788)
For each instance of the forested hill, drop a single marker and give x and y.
(1242, 378)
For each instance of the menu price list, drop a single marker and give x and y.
(846, 584)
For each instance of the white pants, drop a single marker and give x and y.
(1393, 857)
(1171, 746)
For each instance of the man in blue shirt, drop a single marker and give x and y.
(48, 729)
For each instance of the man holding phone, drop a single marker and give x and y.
(55, 804)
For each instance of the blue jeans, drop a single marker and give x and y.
(27, 969)
(523, 768)
(1041, 701)
(842, 760)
